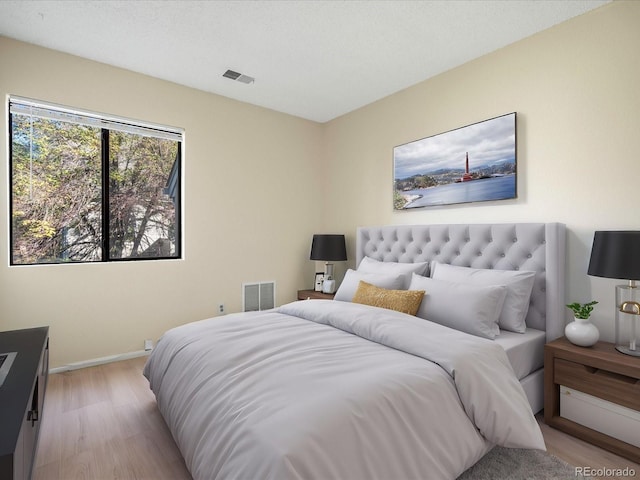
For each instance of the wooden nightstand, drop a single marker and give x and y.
(307, 294)
(599, 371)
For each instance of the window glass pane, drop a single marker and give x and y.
(142, 196)
(56, 191)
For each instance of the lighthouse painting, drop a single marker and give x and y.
(467, 176)
(476, 163)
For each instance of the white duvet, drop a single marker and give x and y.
(322, 389)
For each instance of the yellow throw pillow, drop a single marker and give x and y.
(405, 301)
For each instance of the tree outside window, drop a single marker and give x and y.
(84, 193)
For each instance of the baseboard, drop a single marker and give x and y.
(99, 361)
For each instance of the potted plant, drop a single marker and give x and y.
(581, 331)
(582, 310)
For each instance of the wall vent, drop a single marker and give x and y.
(258, 296)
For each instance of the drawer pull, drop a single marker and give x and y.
(616, 376)
(32, 416)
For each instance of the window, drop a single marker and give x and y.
(86, 187)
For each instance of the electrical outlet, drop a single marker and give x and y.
(148, 345)
(220, 308)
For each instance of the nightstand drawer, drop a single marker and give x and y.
(600, 415)
(611, 386)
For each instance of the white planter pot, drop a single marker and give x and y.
(582, 332)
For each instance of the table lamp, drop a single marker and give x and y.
(616, 254)
(328, 248)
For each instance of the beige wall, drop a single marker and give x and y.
(250, 179)
(576, 91)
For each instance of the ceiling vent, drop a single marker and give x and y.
(238, 77)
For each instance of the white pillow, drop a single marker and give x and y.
(371, 265)
(519, 284)
(468, 308)
(352, 279)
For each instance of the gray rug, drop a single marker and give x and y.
(520, 464)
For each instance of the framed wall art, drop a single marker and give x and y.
(476, 163)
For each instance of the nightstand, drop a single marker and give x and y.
(600, 397)
(308, 294)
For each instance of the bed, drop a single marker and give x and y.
(341, 389)
(538, 247)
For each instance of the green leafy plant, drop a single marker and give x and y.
(582, 310)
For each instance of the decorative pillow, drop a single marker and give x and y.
(469, 308)
(405, 301)
(519, 284)
(371, 265)
(351, 279)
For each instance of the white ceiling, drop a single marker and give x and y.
(313, 59)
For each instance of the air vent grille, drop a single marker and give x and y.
(258, 296)
(238, 77)
(246, 79)
(231, 74)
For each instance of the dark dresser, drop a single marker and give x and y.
(22, 398)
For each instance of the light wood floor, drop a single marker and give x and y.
(102, 423)
(579, 453)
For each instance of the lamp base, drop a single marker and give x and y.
(628, 351)
(628, 319)
(329, 286)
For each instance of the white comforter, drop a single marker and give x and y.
(333, 390)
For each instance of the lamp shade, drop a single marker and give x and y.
(328, 248)
(616, 254)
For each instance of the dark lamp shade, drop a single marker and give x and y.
(616, 254)
(328, 248)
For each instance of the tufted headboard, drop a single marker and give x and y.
(538, 247)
